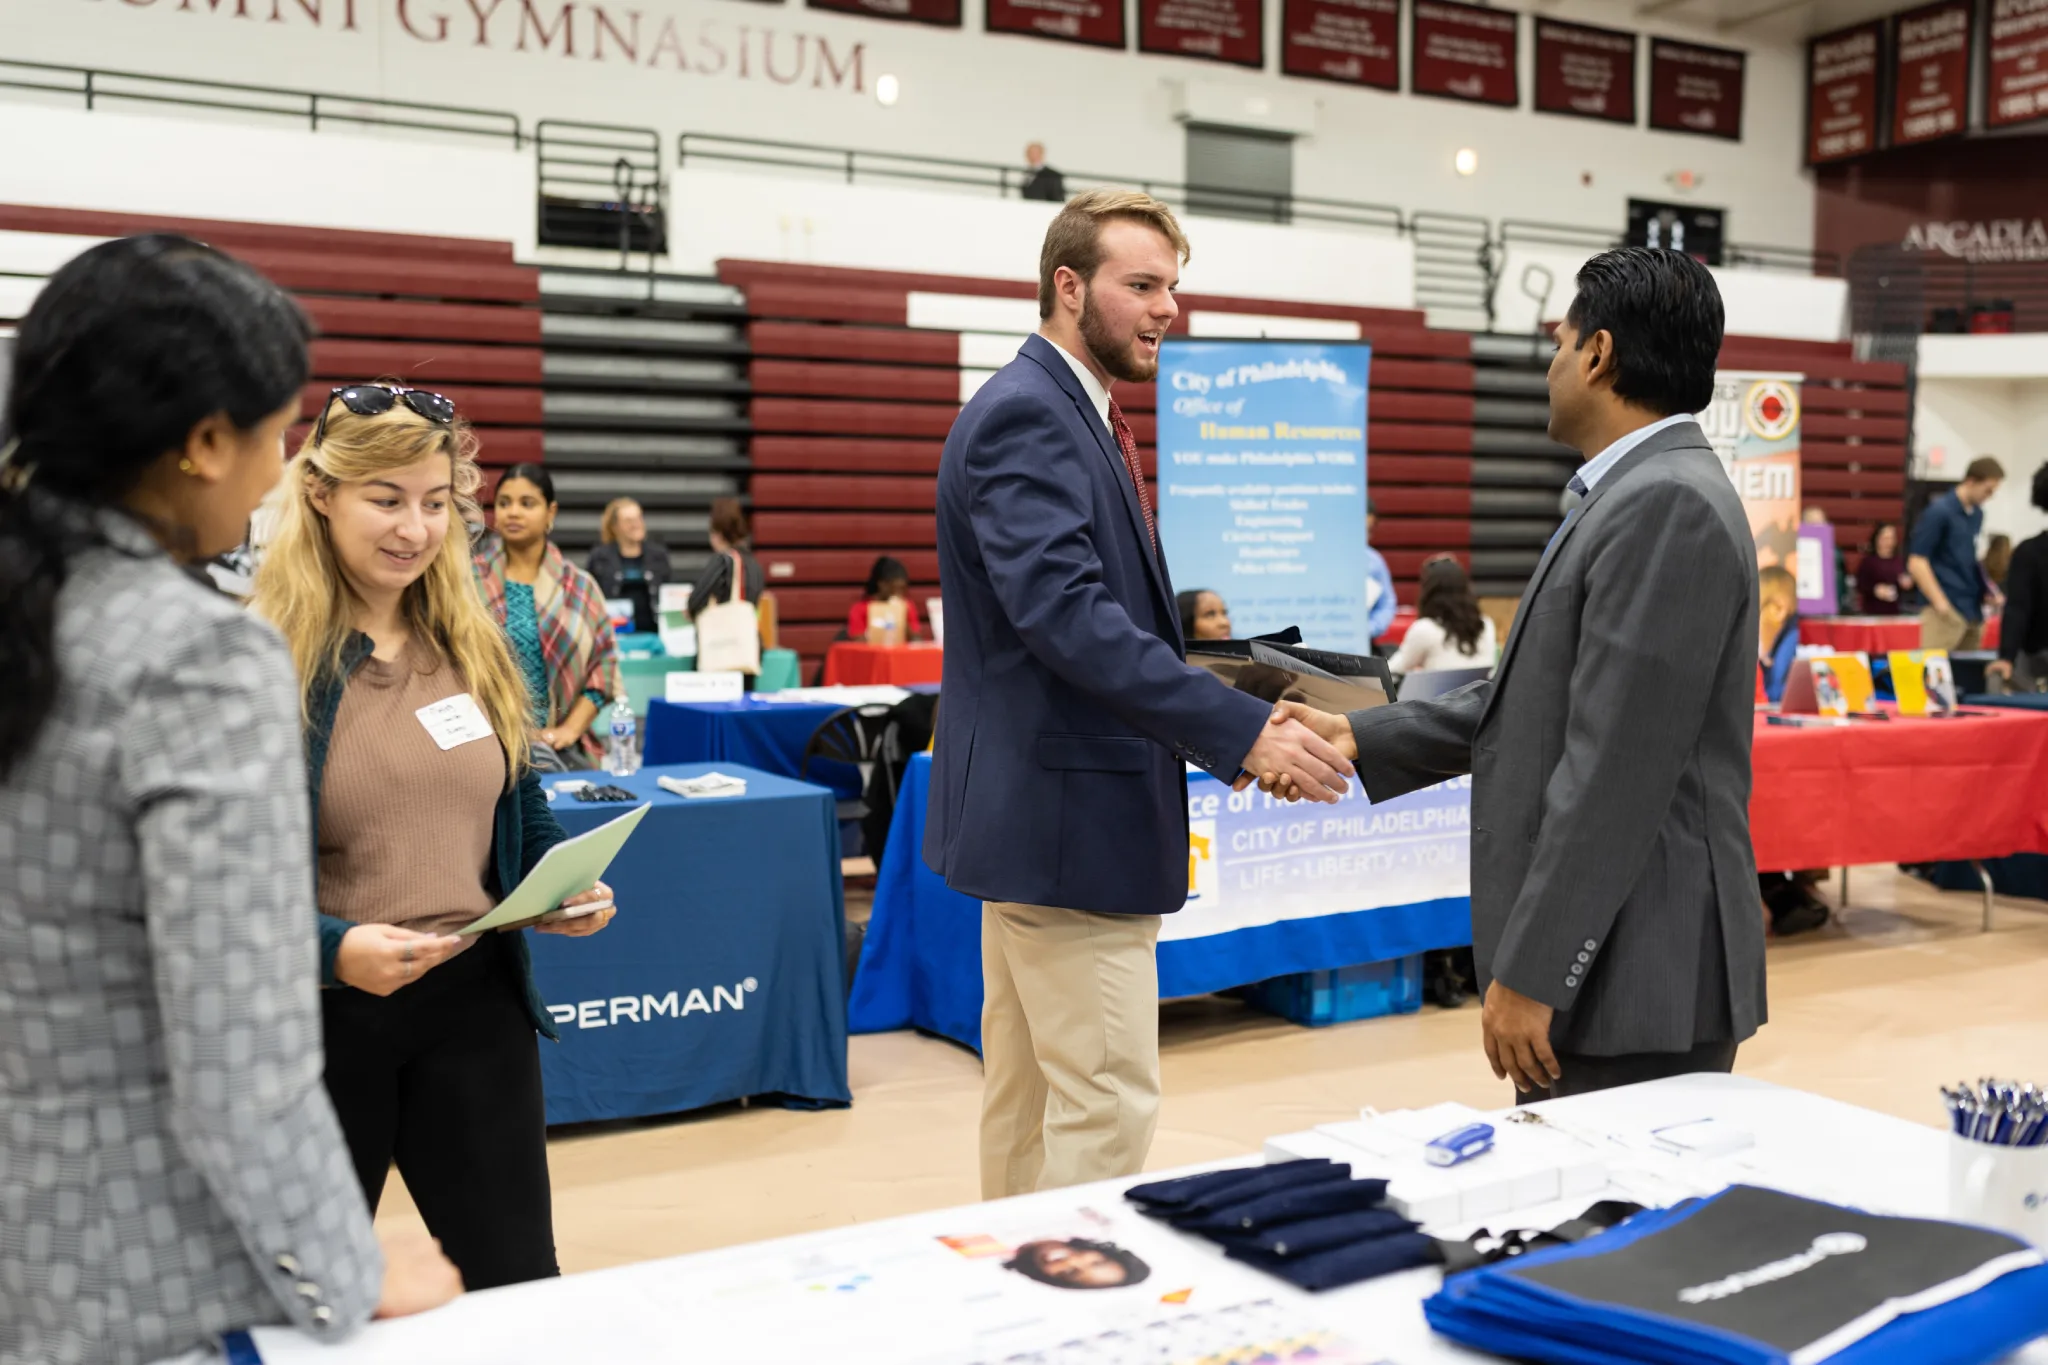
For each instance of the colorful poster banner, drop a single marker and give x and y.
(1696, 89)
(1262, 482)
(1753, 425)
(1097, 23)
(1585, 71)
(1841, 92)
(1232, 31)
(1931, 72)
(1465, 52)
(2016, 77)
(940, 13)
(1354, 42)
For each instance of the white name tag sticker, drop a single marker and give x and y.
(455, 720)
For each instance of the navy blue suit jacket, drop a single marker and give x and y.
(1070, 711)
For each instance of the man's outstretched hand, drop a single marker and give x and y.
(1334, 731)
(1297, 758)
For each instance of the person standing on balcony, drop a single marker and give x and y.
(1042, 181)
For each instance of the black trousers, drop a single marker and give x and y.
(1583, 1075)
(443, 1076)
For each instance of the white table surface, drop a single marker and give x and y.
(880, 1292)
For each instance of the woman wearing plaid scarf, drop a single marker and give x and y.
(555, 617)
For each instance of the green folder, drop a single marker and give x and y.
(568, 869)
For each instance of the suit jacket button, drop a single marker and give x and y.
(1572, 982)
(323, 1316)
(1585, 957)
(1591, 945)
(288, 1265)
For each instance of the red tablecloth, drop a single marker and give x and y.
(1874, 634)
(853, 664)
(1899, 791)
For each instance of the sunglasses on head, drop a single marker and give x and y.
(373, 400)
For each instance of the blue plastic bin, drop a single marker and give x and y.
(1366, 991)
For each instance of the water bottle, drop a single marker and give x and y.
(622, 744)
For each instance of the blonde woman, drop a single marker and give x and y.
(555, 617)
(626, 564)
(426, 811)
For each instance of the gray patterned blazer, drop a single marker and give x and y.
(169, 1164)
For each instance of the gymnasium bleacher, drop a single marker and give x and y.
(823, 396)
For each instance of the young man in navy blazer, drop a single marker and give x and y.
(1059, 791)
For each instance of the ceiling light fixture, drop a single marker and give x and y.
(1466, 161)
(887, 90)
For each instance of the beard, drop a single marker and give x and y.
(1118, 355)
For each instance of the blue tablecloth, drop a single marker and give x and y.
(1275, 890)
(765, 735)
(723, 974)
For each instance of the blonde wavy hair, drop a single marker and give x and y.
(300, 589)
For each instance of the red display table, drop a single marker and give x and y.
(1874, 634)
(851, 663)
(1900, 791)
(1398, 631)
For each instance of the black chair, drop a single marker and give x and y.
(857, 736)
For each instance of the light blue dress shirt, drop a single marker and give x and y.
(1592, 471)
(1380, 614)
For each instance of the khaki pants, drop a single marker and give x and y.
(1069, 1046)
(1948, 632)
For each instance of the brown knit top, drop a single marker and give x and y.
(405, 827)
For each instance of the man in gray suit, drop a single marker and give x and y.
(1615, 919)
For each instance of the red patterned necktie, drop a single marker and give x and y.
(1127, 442)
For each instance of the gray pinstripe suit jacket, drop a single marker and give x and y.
(169, 1164)
(1612, 872)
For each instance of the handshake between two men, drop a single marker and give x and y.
(1309, 755)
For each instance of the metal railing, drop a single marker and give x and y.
(97, 88)
(854, 165)
(601, 184)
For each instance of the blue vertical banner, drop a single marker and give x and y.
(1262, 482)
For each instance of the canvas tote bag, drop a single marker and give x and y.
(729, 632)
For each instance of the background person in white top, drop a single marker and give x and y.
(1449, 631)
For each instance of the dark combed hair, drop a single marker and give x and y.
(534, 475)
(1663, 310)
(1135, 1270)
(127, 349)
(881, 572)
(1189, 602)
(2041, 488)
(1446, 598)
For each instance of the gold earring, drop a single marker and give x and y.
(185, 465)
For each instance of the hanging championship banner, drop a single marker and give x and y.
(1262, 482)
(1098, 23)
(1464, 52)
(942, 13)
(1696, 89)
(1586, 71)
(1753, 425)
(1231, 31)
(1931, 72)
(2016, 77)
(1841, 92)
(1356, 42)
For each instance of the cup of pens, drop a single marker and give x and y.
(1998, 1157)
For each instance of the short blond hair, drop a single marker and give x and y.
(1074, 238)
(608, 524)
(1777, 585)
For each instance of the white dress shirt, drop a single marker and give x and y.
(1427, 647)
(1090, 385)
(1592, 471)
